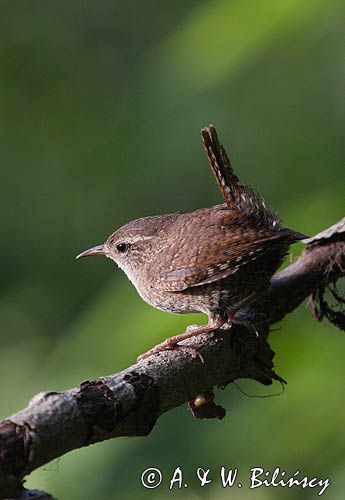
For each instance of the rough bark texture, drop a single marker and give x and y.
(129, 403)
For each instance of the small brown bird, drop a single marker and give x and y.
(213, 260)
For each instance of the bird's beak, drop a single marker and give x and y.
(98, 250)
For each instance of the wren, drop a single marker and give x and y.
(213, 260)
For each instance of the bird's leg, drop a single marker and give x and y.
(172, 343)
(232, 320)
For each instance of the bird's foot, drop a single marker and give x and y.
(173, 343)
(169, 345)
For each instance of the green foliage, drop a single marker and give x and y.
(102, 103)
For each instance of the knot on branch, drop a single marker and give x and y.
(203, 406)
(147, 405)
(98, 406)
(15, 446)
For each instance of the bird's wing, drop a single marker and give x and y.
(207, 255)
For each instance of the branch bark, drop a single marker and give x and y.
(129, 403)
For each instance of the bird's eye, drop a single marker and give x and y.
(122, 247)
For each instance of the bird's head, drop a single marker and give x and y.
(135, 243)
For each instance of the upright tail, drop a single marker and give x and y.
(236, 195)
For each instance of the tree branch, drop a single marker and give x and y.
(129, 403)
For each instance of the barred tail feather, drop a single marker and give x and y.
(236, 195)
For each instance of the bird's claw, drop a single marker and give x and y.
(170, 347)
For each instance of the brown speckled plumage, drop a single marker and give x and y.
(211, 260)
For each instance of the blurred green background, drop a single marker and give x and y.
(101, 105)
